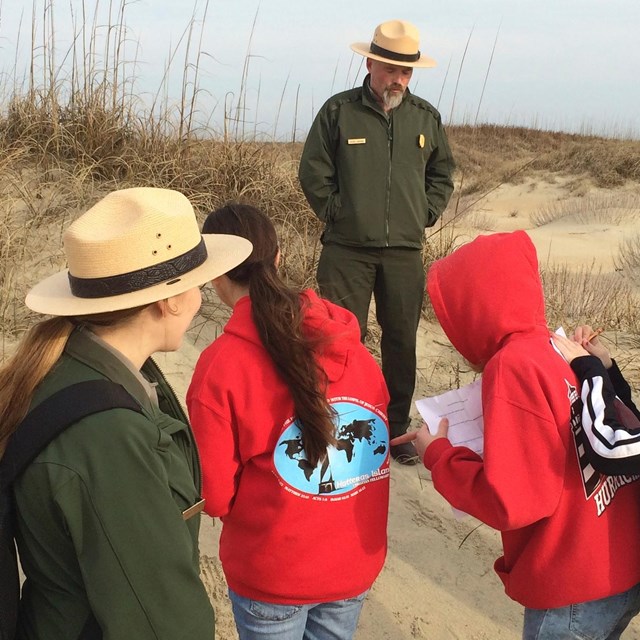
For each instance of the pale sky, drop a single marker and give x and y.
(558, 64)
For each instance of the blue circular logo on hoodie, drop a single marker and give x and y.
(359, 456)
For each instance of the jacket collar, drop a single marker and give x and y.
(87, 348)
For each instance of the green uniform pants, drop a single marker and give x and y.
(349, 276)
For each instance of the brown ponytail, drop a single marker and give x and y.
(36, 354)
(278, 316)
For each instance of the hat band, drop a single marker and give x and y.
(140, 279)
(392, 55)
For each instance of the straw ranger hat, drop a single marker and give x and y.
(396, 42)
(134, 247)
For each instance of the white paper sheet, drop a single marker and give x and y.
(463, 408)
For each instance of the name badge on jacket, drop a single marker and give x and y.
(357, 141)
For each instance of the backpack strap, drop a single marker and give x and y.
(40, 427)
(53, 415)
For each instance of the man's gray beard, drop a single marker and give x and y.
(391, 100)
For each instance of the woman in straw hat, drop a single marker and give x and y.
(289, 412)
(103, 527)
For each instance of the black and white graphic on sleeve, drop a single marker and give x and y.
(590, 477)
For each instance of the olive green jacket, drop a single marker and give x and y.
(376, 179)
(99, 515)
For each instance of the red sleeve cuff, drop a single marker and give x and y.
(434, 451)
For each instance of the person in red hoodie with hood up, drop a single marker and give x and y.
(569, 533)
(289, 413)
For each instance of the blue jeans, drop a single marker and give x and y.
(603, 619)
(335, 620)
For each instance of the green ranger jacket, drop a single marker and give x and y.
(100, 528)
(376, 179)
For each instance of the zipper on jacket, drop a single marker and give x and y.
(158, 376)
(390, 155)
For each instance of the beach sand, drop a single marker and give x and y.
(438, 581)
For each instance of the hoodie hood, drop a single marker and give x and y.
(486, 292)
(336, 329)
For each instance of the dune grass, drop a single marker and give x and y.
(491, 154)
(74, 130)
(610, 209)
(587, 295)
(628, 258)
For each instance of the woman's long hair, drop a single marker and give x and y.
(278, 316)
(36, 354)
(34, 357)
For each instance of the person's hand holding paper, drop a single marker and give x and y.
(424, 437)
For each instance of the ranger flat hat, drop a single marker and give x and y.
(134, 247)
(396, 42)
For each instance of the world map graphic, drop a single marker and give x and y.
(357, 457)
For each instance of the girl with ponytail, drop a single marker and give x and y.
(289, 413)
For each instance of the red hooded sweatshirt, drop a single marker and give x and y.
(569, 534)
(293, 534)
